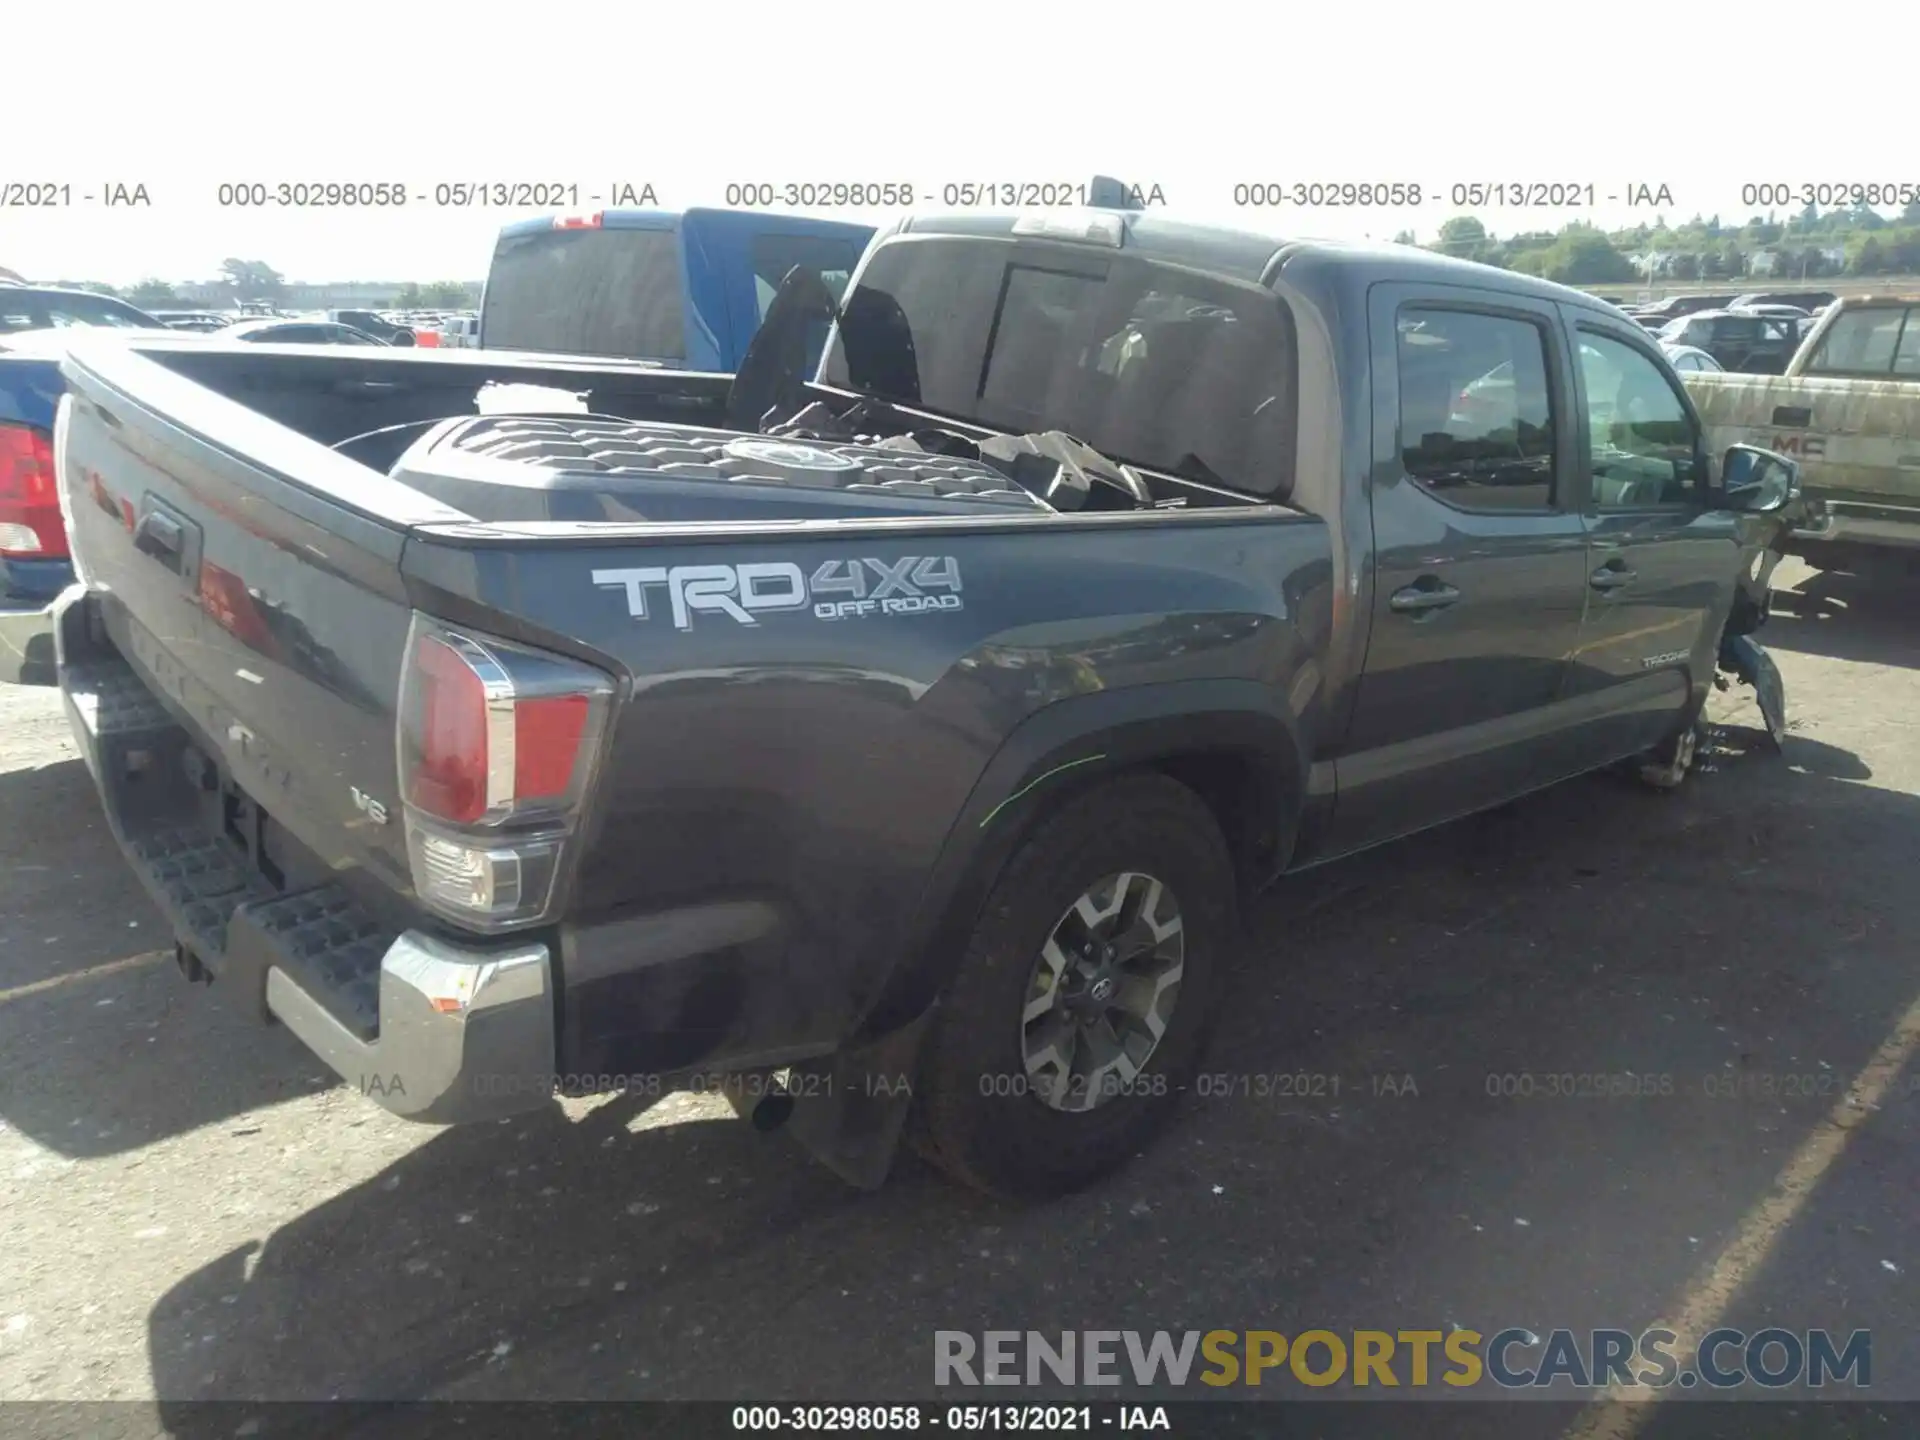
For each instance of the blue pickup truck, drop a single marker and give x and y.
(685, 289)
(34, 567)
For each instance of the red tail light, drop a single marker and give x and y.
(578, 222)
(547, 735)
(450, 779)
(497, 747)
(30, 523)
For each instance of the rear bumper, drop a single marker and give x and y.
(1859, 523)
(459, 1035)
(434, 1030)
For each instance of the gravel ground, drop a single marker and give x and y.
(194, 1211)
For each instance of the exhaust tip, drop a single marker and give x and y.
(772, 1112)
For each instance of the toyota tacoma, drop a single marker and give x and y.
(897, 739)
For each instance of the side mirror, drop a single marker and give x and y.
(1756, 481)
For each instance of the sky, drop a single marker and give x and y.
(1196, 98)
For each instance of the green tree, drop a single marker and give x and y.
(1584, 256)
(1463, 237)
(251, 279)
(150, 293)
(1865, 257)
(445, 295)
(1405, 237)
(1685, 266)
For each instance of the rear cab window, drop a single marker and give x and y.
(616, 291)
(1168, 369)
(1874, 343)
(775, 256)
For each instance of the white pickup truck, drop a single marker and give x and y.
(1848, 409)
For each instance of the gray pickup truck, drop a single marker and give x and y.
(898, 741)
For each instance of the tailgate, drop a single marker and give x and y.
(1853, 438)
(264, 611)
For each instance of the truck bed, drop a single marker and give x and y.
(789, 779)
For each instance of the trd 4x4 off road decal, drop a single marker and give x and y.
(837, 590)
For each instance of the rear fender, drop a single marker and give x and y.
(1198, 731)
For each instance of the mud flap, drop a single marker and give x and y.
(1743, 655)
(849, 1109)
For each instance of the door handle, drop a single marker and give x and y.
(1418, 599)
(168, 537)
(159, 533)
(1610, 577)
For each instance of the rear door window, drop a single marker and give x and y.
(1476, 409)
(615, 291)
(1165, 368)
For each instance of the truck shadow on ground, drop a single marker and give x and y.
(1866, 616)
(104, 1066)
(657, 1253)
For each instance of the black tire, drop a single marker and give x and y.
(977, 1119)
(1666, 768)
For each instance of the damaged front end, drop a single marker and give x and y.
(1764, 489)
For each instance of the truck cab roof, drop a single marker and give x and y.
(1244, 254)
(628, 219)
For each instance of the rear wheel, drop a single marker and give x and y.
(1080, 1009)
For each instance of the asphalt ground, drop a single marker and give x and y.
(192, 1210)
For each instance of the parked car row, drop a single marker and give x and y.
(1752, 334)
(1656, 313)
